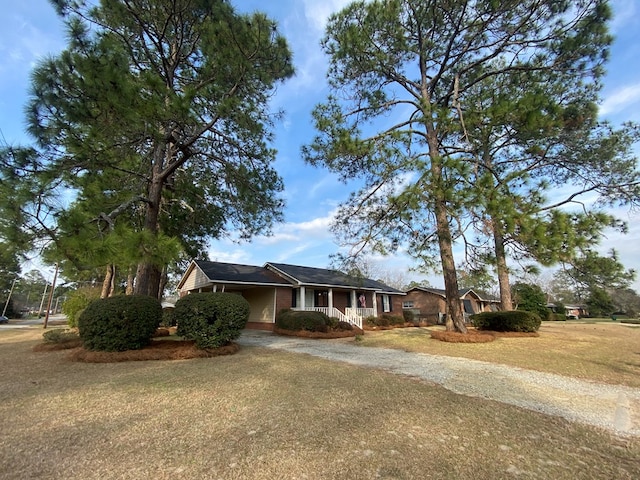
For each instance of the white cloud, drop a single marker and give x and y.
(318, 11)
(625, 12)
(316, 229)
(237, 255)
(621, 99)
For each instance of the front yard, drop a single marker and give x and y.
(265, 414)
(605, 352)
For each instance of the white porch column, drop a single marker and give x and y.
(330, 300)
(215, 288)
(354, 300)
(375, 305)
(303, 294)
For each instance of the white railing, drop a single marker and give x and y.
(359, 312)
(334, 312)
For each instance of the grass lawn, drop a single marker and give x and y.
(604, 352)
(265, 414)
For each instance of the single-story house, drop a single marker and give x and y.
(429, 304)
(277, 286)
(570, 311)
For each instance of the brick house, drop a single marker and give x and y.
(429, 304)
(278, 286)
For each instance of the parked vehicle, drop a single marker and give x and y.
(3, 319)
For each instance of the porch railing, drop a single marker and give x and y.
(359, 312)
(334, 312)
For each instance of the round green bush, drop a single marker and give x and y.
(211, 319)
(303, 320)
(119, 323)
(408, 316)
(77, 301)
(59, 335)
(344, 326)
(511, 321)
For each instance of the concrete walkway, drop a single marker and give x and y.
(613, 407)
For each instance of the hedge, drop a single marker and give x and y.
(310, 321)
(119, 323)
(511, 321)
(211, 319)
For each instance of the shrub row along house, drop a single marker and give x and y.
(278, 286)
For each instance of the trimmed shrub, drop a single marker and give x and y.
(408, 316)
(168, 319)
(344, 326)
(60, 335)
(513, 321)
(394, 319)
(385, 320)
(119, 323)
(211, 319)
(303, 320)
(77, 301)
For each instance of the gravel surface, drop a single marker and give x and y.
(613, 407)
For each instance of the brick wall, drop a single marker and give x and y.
(427, 303)
(284, 296)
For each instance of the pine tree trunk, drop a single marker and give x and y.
(164, 278)
(455, 318)
(106, 283)
(148, 274)
(506, 302)
(130, 279)
(112, 286)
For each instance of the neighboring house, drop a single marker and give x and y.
(429, 304)
(277, 286)
(570, 311)
(576, 311)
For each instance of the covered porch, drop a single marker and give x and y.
(348, 305)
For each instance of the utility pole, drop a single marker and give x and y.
(44, 295)
(53, 287)
(9, 298)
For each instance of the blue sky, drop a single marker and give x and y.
(32, 30)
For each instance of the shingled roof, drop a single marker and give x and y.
(281, 274)
(322, 277)
(235, 273)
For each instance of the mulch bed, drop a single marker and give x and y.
(477, 336)
(157, 350)
(324, 335)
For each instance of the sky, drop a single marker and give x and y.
(31, 31)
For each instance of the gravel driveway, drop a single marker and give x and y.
(613, 407)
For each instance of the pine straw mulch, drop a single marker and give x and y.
(157, 350)
(477, 336)
(320, 335)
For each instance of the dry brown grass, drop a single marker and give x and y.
(604, 352)
(265, 414)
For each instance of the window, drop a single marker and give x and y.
(386, 303)
(468, 307)
(408, 304)
(321, 298)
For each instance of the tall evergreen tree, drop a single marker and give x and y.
(401, 72)
(159, 113)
